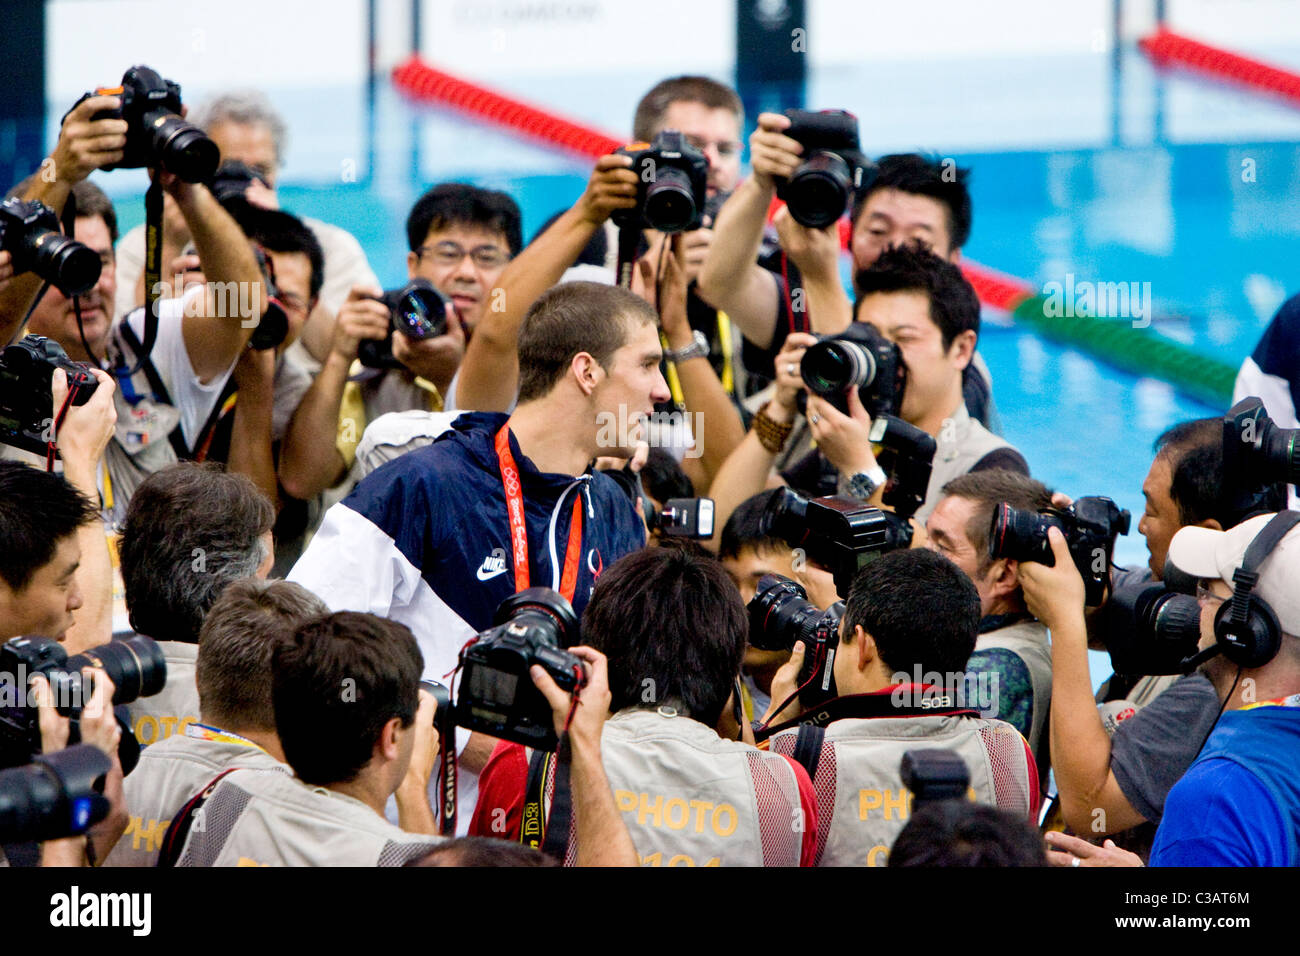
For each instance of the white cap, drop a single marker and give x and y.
(1206, 553)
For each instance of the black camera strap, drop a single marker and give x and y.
(153, 212)
(548, 833)
(808, 748)
(173, 842)
(629, 240)
(933, 703)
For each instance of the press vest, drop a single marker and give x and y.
(170, 710)
(169, 773)
(1028, 641)
(862, 802)
(690, 798)
(254, 818)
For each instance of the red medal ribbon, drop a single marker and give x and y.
(519, 531)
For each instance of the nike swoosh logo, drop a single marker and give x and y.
(487, 576)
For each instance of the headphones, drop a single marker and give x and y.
(1246, 629)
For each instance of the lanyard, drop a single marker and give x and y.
(199, 731)
(519, 531)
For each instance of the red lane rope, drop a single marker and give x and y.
(1167, 48)
(421, 81)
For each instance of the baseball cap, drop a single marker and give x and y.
(1206, 553)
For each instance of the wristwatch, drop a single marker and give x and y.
(864, 484)
(697, 349)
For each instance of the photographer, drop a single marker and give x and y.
(925, 307)
(236, 727)
(462, 240)
(674, 630)
(247, 129)
(1111, 780)
(883, 708)
(190, 530)
(1012, 647)
(356, 728)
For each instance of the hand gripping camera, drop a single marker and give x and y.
(26, 406)
(497, 696)
(861, 358)
(672, 182)
(1090, 526)
(780, 614)
(823, 186)
(417, 311)
(135, 666)
(156, 135)
(29, 232)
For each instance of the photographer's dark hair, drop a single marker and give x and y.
(954, 307)
(744, 529)
(1194, 450)
(235, 644)
(190, 530)
(920, 608)
(335, 682)
(37, 511)
(570, 318)
(483, 851)
(962, 833)
(939, 179)
(670, 617)
(460, 204)
(662, 477)
(988, 488)
(279, 231)
(649, 116)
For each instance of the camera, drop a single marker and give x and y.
(1090, 526)
(907, 455)
(1166, 629)
(156, 135)
(672, 183)
(56, 795)
(780, 614)
(859, 357)
(231, 181)
(135, 665)
(823, 186)
(1259, 461)
(934, 775)
(417, 311)
(30, 233)
(836, 531)
(683, 518)
(497, 696)
(26, 406)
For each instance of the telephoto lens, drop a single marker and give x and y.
(1022, 535)
(818, 192)
(1167, 628)
(180, 147)
(780, 614)
(56, 795)
(669, 202)
(29, 231)
(135, 665)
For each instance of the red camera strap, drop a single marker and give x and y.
(519, 531)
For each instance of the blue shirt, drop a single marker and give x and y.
(1239, 803)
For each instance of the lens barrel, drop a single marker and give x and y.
(833, 366)
(818, 192)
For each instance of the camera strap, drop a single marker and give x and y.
(173, 842)
(629, 239)
(929, 702)
(153, 212)
(510, 480)
(548, 833)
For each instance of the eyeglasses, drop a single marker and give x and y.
(452, 254)
(1205, 596)
(726, 148)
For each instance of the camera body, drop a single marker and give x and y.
(1259, 461)
(156, 135)
(134, 665)
(30, 232)
(26, 406)
(496, 695)
(836, 531)
(672, 184)
(859, 357)
(822, 188)
(1090, 526)
(418, 311)
(780, 614)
